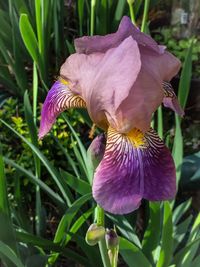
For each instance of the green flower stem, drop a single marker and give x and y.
(145, 14)
(92, 16)
(160, 122)
(100, 218)
(132, 14)
(35, 91)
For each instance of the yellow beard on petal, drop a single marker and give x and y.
(137, 138)
(63, 81)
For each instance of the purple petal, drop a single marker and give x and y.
(96, 149)
(59, 98)
(170, 100)
(117, 186)
(126, 28)
(159, 169)
(134, 166)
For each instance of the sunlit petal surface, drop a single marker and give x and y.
(91, 44)
(105, 80)
(170, 100)
(134, 166)
(59, 98)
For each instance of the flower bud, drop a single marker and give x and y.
(96, 150)
(94, 234)
(112, 239)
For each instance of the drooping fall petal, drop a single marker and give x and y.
(59, 98)
(170, 100)
(134, 166)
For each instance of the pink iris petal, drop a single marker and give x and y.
(134, 166)
(105, 79)
(170, 100)
(126, 28)
(146, 94)
(120, 77)
(59, 98)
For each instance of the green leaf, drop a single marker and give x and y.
(29, 119)
(132, 255)
(68, 157)
(196, 262)
(65, 223)
(54, 196)
(68, 217)
(77, 225)
(183, 91)
(80, 15)
(190, 173)
(4, 206)
(194, 234)
(177, 150)
(119, 11)
(46, 244)
(53, 172)
(185, 251)
(186, 74)
(29, 38)
(180, 211)
(166, 239)
(152, 234)
(82, 150)
(10, 254)
(78, 185)
(6, 228)
(181, 230)
(125, 228)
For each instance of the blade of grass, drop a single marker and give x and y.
(80, 15)
(54, 196)
(125, 228)
(76, 226)
(166, 239)
(180, 210)
(6, 228)
(33, 134)
(65, 223)
(10, 254)
(27, 238)
(185, 79)
(151, 237)
(132, 255)
(78, 185)
(53, 172)
(29, 38)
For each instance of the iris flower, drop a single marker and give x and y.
(121, 78)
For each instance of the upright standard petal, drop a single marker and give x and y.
(91, 44)
(59, 98)
(170, 100)
(146, 94)
(134, 166)
(105, 79)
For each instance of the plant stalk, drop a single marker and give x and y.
(145, 15)
(100, 217)
(132, 14)
(92, 16)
